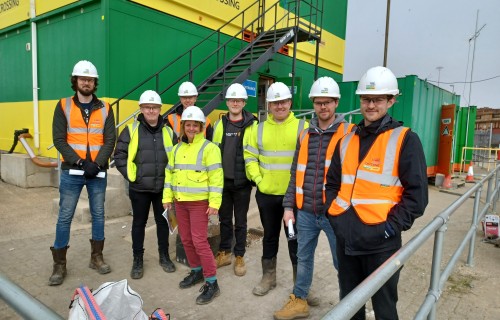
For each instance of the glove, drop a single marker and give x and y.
(389, 230)
(90, 169)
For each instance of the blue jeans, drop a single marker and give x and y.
(309, 225)
(70, 188)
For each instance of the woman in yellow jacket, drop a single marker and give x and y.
(193, 183)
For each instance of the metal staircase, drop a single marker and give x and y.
(229, 59)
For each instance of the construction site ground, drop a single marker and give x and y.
(27, 231)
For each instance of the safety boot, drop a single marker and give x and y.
(209, 291)
(268, 280)
(312, 299)
(192, 278)
(166, 263)
(137, 267)
(295, 308)
(96, 258)
(223, 258)
(239, 266)
(59, 267)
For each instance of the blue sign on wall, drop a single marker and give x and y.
(250, 87)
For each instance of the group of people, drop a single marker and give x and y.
(362, 185)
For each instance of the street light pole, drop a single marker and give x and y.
(387, 16)
(439, 73)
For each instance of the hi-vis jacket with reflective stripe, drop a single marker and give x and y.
(372, 187)
(313, 157)
(269, 154)
(133, 147)
(194, 172)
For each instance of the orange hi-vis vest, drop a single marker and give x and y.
(80, 135)
(372, 187)
(175, 121)
(300, 171)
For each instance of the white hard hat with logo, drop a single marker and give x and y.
(187, 89)
(151, 97)
(193, 113)
(324, 87)
(378, 80)
(85, 68)
(278, 91)
(236, 91)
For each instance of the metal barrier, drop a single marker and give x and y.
(350, 304)
(480, 156)
(23, 303)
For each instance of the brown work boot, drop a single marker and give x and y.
(96, 258)
(312, 298)
(59, 267)
(239, 266)
(223, 258)
(268, 280)
(295, 308)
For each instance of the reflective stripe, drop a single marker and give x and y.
(76, 130)
(390, 151)
(166, 185)
(275, 166)
(199, 159)
(341, 203)
(383, 179)
(189, 189)
(344, 144)
(277, 153)
(249, 160)
(168, 149)
(215, 189)
(78, 146)
(252, 149)
(260, 135)
(214, 166)
(96, 131)
(299, 190)
(348, 178)
(370, 201)
(193, 167)
(301, 167)
(302, 123)
(327, 163)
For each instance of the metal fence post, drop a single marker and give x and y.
(436, 267)
(477, 197)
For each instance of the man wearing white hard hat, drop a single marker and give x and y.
(268, 159)
(376, 187)
(232, 133)
(306, 192)
(188, 94)
(141, 155)
(83, 131)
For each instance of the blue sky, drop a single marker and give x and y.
(425, 35)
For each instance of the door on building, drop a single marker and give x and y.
(445, 145)
(263, 85)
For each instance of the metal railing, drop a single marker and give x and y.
(485, 157)
(350, 304)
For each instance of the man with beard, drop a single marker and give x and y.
(83, 131)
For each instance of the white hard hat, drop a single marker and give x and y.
(324, 87)
(278, 91)
(187, 89)
(85, 68)
(378, 80)
(236, 91)
(193, 113)
(151, 97)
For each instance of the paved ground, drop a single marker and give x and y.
(27, 230)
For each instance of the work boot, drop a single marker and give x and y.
(166, 263)
(193, 278)
(295, 308)
(96, 258)
(59, 267)
(268, 280)
(223, 258)
(209, 291)
(312, 299)
(137, 268)
(239, 266)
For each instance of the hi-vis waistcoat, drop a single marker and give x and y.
(175, 121)
(79, 134)
(190, 178)
(300, 172)
(133, 146)
(372, 187)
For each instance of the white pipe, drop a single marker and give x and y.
(34, 64)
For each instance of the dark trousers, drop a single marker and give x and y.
(234, 200)
(354, 269)
(271, 216)
(141, 202)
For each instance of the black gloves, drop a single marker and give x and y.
(389, 230)
(91, 169)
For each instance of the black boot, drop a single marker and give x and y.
(209, 291)
(137, 268)
(166, 263)
(193, 278)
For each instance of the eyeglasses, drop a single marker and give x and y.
(322, 103)
(280, 102)
(155, 108)
(377, 101)
(188, 97)
(235, 101)
(91, 80)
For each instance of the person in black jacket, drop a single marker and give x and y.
(376, 187)
(141, 156)
(231, 134)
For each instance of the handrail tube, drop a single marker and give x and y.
(436, 263)
(34, 158)
(23, 303)
(477, 197)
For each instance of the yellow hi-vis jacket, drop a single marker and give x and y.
(194, 172)
(79, 134)
(269, 154)
(302, 159)
(372, 187)
(168, 136)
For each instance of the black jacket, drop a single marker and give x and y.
(151, 158)
(60, 129)
(353, 235)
